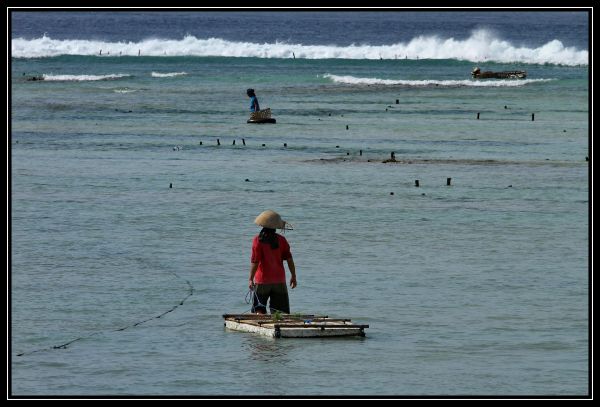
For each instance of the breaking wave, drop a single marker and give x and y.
(167, 75)
(481, 46)
(83, 77)
(352, 80)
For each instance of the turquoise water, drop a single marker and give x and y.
(478, 288)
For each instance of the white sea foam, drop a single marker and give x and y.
(167, 75)
(125, 90)
(83, 77)
(481, 46)
(352, 80)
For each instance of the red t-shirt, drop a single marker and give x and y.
(270, 261)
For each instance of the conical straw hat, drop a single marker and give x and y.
(271, 219)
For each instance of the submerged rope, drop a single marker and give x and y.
(66, 344)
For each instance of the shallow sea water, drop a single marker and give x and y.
(477, 288)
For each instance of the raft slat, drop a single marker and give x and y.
(269, 316)
(325, 326)
(312, 321)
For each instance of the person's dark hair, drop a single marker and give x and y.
(267, 235)
(250, 92)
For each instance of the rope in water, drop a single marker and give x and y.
(66, 344)
(249, 299)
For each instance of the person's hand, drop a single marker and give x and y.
(293, 283)
(250, 284)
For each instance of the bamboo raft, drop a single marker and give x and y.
(294, 326)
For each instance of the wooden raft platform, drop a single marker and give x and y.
(294, 326)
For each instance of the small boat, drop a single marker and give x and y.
(262, 116)
(33, 77)
(293, 325)
(478, 74)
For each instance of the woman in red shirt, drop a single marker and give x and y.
(267, 274)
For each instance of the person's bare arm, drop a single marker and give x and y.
(292, 268)
(253, 268)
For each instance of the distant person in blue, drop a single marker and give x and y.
(254, 106)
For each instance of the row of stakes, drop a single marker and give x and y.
(478, 114)
(348, 128)
(244, 143)
(360, 152)
(448, 183)
(391, 159)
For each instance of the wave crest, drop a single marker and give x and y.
(481, 46)
(83, 77)
(167, 75)
(352, 80)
